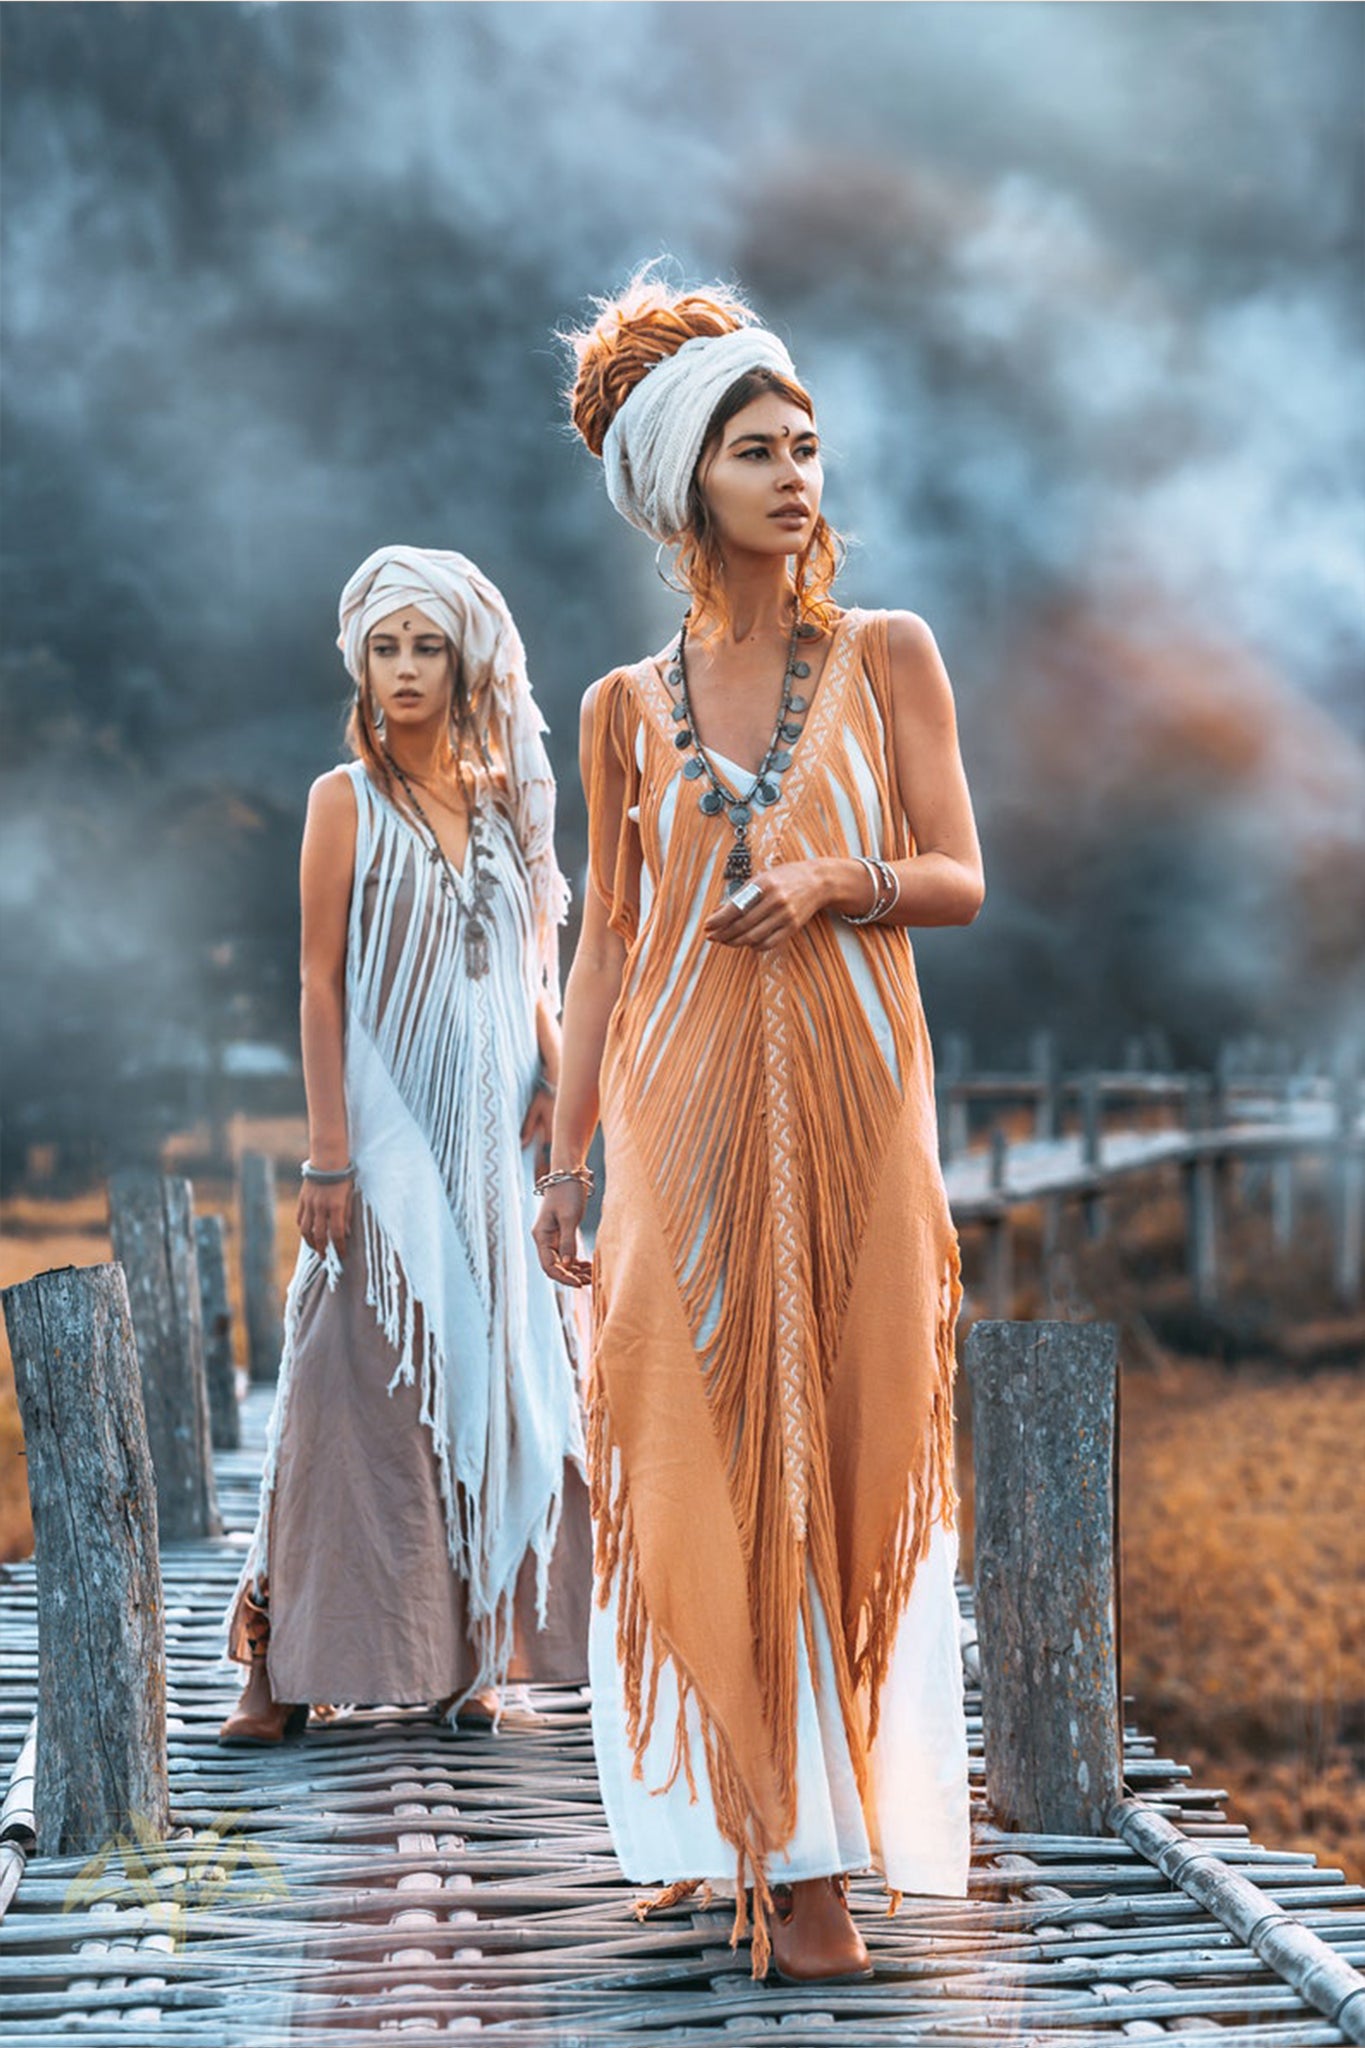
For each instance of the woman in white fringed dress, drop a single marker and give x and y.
(423, 1526)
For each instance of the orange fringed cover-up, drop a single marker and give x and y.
(776, 1279)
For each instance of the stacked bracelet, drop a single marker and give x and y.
(886, 885)
(327, 1177)
(582, 1174)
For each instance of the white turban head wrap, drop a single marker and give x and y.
(472, 613)
(652, 446)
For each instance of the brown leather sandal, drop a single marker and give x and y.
(259, 1720)
(814, 1940)
(485, 1709)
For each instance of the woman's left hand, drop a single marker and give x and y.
(789, 896)
(538, 1123)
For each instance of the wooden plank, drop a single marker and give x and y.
(101, 1752)
(1043, 1452)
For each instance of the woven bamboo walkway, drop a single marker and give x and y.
(386, 1877)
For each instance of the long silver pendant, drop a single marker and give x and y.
(739, 865)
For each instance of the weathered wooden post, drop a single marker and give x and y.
(264, 1324)
(943, 1106)
(101, 1646)
(225, 1426)
(1047, 1125)
(151, 1221)
(954, 1128)
(1282, 1191)
(1043, 1053)
(1045, 1458)
(1200, 1174)
(1092, 1153)
(999, 1236)
(1349, 1174)
(1218, 1109)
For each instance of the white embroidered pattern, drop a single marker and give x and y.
(788, 1224)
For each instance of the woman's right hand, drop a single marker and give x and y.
(555, 1231)
(325, 1212)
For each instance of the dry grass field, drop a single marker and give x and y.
(1243, 1551)
(1243, 1568)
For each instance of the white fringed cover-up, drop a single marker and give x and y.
(439, 1068)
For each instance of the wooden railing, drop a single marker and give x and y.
(1079, 1151)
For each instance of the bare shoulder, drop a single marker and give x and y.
(332, 796)
(911, 641)
(332, 809)
(919, 679)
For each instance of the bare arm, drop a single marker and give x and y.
(539, 1118)
(326, 872)
(590, 997)
(943, 882)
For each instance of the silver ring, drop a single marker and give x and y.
(746, 897)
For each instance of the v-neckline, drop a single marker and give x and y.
(458, 870)
(749, 776)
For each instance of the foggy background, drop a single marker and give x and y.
(1077, 289)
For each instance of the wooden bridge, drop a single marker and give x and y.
(386, 1877)
(1203, 1128)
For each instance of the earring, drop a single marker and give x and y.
(662, 574)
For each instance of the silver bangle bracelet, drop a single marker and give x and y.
(583, 1175)
(886, 887)
(326, 1177)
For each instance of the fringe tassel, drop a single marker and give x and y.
(672, 1895)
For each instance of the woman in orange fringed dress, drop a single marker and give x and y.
(773, 800)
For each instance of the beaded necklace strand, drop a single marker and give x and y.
(766, 786)
(476, 928)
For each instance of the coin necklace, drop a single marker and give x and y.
(766, 787)
(475, 924)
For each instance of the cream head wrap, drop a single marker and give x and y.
(652, 445)
(472, 613)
